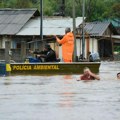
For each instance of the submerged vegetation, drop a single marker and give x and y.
(95, 9)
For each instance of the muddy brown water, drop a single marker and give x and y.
(61, 97)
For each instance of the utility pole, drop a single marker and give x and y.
(83, 32)
(74, 32)
(41, 22)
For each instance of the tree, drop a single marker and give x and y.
(11, 4)
(94, 9)
(116, 10)
(23, 4)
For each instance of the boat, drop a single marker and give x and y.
(53, 68)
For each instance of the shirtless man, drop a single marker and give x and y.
(88, 75)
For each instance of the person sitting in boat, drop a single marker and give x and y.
(94, 57)
(67, 43)
(88, 75)
(81, 58)
(48, 54)
(118, 76)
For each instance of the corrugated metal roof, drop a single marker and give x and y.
(96, 28)
(51, 26)
(12, 20)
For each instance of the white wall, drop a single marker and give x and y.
(0, 42)
(93, 45)
(3, 41)
(79, 46)
(60, 53)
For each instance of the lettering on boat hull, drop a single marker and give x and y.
(34, 67)
(52, 69)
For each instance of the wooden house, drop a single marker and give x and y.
(95, 38)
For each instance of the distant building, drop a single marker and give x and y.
(11, 22)
(23, 25)
(95, 38)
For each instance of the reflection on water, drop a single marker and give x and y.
(61, 97)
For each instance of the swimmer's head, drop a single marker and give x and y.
(86, 71)
(118, 75)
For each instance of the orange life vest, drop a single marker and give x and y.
(67, 46)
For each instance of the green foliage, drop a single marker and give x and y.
(94, 9)
(117, 48)
(116, 10)
(23, 4)
(49, 7)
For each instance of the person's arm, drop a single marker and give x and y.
(62, 41)
(36, 52)
(42, 54)
(30, 51)
(80, 78)
(94, 75)
(47, 55)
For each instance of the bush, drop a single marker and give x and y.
(117, 49)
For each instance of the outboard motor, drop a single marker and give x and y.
(94, 57)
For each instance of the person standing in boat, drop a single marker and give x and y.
(67, 43)
(48, 54)
(88, 75)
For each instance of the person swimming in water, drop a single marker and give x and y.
(118, 75)
(88, 75)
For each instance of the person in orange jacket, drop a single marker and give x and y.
(67, 43)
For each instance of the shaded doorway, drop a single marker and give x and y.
(105, 48)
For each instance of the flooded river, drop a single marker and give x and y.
(61, 97)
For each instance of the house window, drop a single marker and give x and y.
(18, 45)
